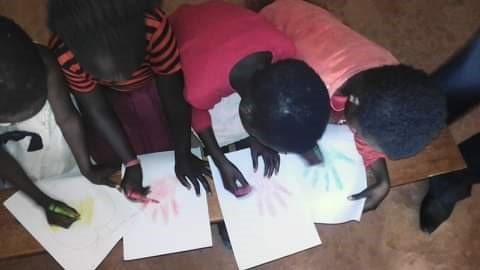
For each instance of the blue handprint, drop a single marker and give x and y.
(327, 172)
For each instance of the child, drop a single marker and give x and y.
(34, 100)
(392, 109)
(284, 104)
(120, 60)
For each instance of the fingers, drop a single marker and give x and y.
(269, 166)
(244, 189)
(184, 182)
(242, 180)
(60, 220)
(205, 184)
(364, 194)
(206, 171)
(370, 204)
(277, 163)
(254, 159)
(195, 184)
(145, 190)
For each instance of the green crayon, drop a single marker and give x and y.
(57, 209)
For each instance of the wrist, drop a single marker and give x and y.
(181, 154)
(384, 181)
(43, 201)
(220, 160)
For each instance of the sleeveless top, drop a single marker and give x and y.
(54, 159)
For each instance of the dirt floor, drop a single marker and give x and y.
(421, 33)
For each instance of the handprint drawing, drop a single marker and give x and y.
(327, 172)
(269, 192)
(164, 191)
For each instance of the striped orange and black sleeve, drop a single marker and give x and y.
(76, 78)
(162, 47)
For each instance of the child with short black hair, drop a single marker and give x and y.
(230, 54)
(392, 108)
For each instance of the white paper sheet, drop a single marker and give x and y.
(326, 187)
(179, 222)
(105, 216)
(269, 223)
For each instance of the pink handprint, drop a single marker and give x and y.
(163, 191)
(267, 191)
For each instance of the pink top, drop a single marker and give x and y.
(212, 38)
(332, 49)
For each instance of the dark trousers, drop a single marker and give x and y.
(459, 79)
(455, 186)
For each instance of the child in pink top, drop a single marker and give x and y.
(226, 49)
(390, 107)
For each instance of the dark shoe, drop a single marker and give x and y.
(433, 213)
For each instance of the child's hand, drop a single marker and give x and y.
(132, 183)
(195, 170)
(270, 157)
(231, 175)
(374, 194)
(377, 192)
(60, 214)
(100, 175)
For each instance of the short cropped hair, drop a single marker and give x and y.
(287, 106)
(398, 107)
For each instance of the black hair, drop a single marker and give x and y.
(287, 107)
(22, 71)
(398, 108)
(102, 28)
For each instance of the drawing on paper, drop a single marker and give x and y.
(94, 218)
(327, 173)
(270, 195)
(164, 191)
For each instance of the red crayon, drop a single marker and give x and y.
(141, 198)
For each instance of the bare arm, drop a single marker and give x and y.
(57, 213)
(179, 115)
(68, 119)
(378, 191)
(14, 173)
(232, 178)
(179, 112)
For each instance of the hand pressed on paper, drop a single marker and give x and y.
(270, 157)
(191, 170)
(60, 214)
(378, 191)
(132, 184)
(233, 180)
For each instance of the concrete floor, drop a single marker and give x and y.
(422, 33)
